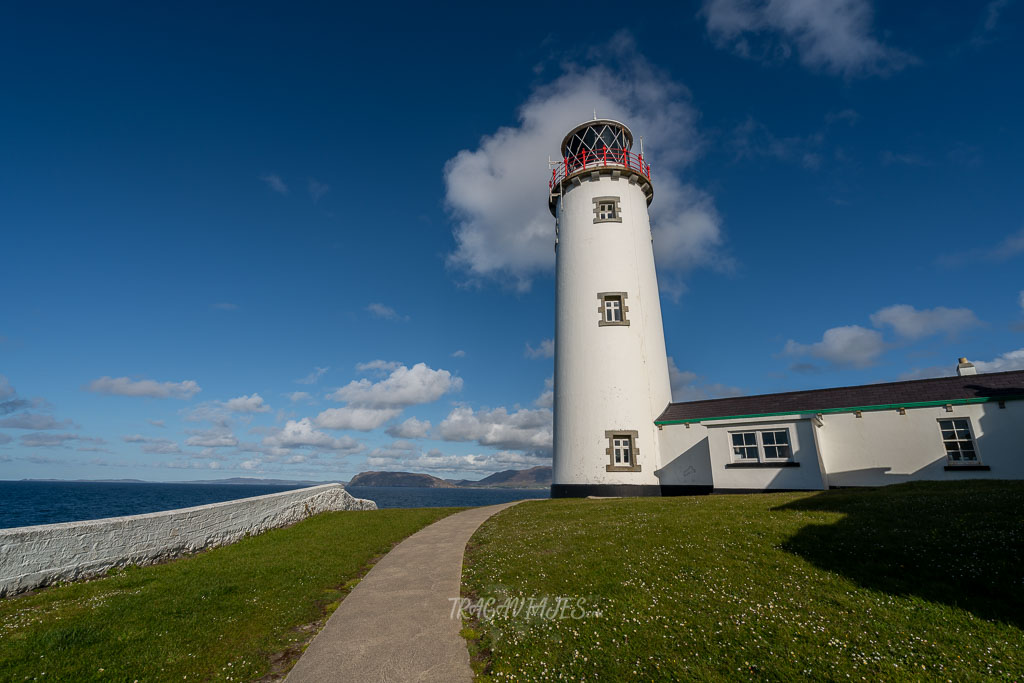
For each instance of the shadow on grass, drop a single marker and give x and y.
(956, 543)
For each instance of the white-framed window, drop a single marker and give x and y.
(958, 440)
(606, 210)
(622, 450)
(761, 445)
(612, 308)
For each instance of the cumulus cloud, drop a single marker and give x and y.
(297, 396)
(495, 193)
(124, 386)
(212, 438)
(458, 354)
(410, 429)
(157, 446)
(547, 397)
(403, 387)
(312, 377)
(687, 385)
(49, 440)
(911, 323)
(1011, 360)
(383, 312)
(439, 462)
(524, 430)
(359, 418)
(300, 434)
(275, 183)
(546, 349)
(246, 404)
(33, 421)
(846, 346)
(829, 35)
(378, 365)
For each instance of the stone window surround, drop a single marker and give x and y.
(601, 322)
(635, 451)
(597, 210)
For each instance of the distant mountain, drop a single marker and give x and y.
(399, 479)
(533, 478)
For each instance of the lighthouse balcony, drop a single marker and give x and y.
(606, 162)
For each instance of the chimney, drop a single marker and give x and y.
(965, 367)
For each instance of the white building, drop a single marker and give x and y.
(616, 432)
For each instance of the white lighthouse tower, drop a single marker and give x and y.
(611, 369)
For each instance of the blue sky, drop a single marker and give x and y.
(307, 241)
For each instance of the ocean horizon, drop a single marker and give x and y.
(30, 503)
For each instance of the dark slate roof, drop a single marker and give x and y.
(995, 385)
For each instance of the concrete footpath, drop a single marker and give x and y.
(396, 623)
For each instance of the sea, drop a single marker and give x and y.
(27, 503)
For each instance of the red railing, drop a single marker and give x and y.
(620, 158)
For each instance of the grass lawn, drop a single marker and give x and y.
(225, 614)
(908, 582)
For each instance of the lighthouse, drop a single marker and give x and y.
(611, 368)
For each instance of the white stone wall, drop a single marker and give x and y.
(34, 556)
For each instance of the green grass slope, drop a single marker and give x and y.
(227, 614)
(909, 582)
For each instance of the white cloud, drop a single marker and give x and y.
(525, 429)
(686, 386)
(830, 35)
(124, 386)
(247, 404)
(410, 429)
(275, 183)
(156, 446)
(33, 421)
(1021, 299)
(436, 461)
(385, 312)
(297, 396)
(48, 440)
(157, 423)
(378, 365)
(546, 349)
(459, 354)
(212, 438)
(312, 377)
(849, 345)
(317, 189)
(403, 387)
(361, 419)
(496, 192)
(911, 323)
(1009, 247)
(301, 434)
(1011, 360)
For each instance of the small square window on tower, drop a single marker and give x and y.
(613, 309)
(622, 451)
(606, 210)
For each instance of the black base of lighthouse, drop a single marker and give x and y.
(625, 490)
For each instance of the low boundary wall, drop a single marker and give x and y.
(34, 556)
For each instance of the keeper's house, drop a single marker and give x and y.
(964, 427)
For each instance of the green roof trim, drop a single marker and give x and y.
(863, 409)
